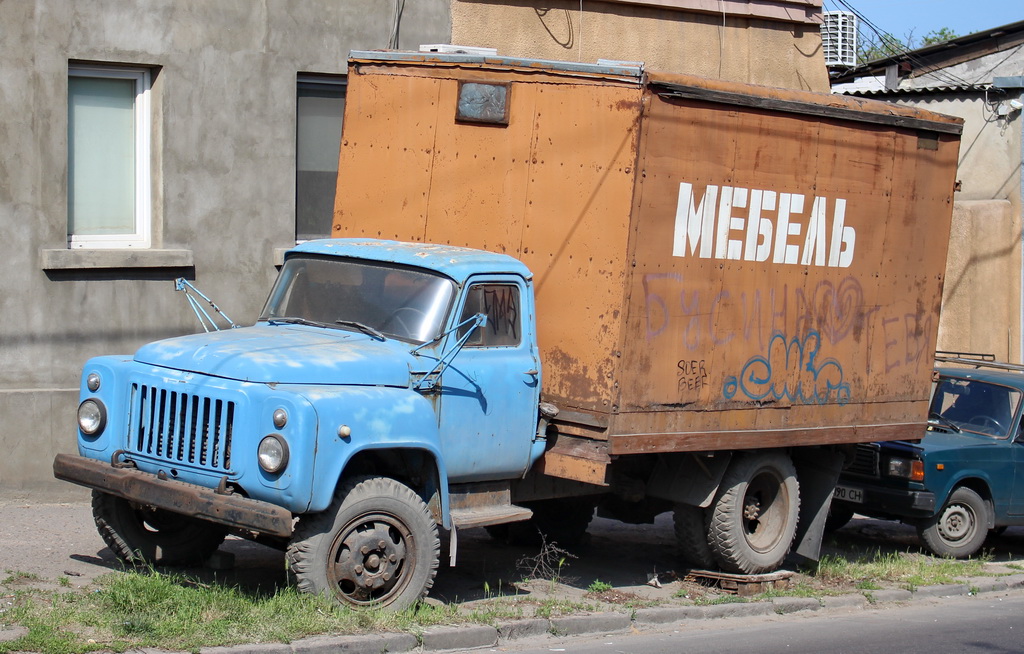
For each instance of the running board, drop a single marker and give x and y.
(483, 504)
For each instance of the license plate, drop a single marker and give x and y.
(848, 494)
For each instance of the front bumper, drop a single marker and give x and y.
(179, 497)
(890, 502)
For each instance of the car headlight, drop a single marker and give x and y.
(912, 469)
(92, 417)
(273, 454)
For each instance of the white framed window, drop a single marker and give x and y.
(319, 108)
(109, 129)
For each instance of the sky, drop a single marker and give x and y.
(902, 17)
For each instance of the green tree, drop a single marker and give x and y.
(871, 46)
(938, 36)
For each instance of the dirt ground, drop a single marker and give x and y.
(42, 543)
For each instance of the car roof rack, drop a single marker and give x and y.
(976, 360)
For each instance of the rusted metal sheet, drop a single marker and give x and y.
(195, 501)
(788, 274)
(553, 188)
(717, 265)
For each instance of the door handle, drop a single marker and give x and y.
(532, 372)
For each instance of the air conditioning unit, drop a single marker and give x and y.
(839, 38)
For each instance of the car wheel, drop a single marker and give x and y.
(838, 516)
(959, 528)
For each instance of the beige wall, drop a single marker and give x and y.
(981, 302)
(981, 296)
(773, 53)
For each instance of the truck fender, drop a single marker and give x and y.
(377, 425)
(433, 487)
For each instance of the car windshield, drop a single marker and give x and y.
(973, 405)
(379, 299)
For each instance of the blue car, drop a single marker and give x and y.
(960, 481)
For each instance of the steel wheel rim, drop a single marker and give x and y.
(371, 559)
(958, 523)
(764, 511)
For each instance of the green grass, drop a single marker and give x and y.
(135, 610)
(867, 571)
(598, 586)
(152, 609)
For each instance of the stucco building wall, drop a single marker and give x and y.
(667, 36)
(982, 294)
(223, 182)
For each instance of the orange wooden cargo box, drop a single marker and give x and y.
(717, 265)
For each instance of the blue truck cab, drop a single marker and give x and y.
(379, 375)
(964, 477)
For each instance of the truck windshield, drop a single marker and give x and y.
(382, 300)
(977, 406)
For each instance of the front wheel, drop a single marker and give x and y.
(754, 515)
(376, 545)
(140, 534)
(960, 527)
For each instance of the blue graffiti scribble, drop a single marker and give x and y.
(792, 371)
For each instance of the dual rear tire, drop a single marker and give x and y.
(750, 525)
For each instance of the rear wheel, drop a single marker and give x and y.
(141, 534)
(960, 527)
(691, 536)
(754, 515)
(376, 545)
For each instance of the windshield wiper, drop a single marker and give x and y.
(288, 320)
(944, 421)
(366, 329)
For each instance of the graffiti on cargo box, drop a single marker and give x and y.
(835, 310)
(794, 370)
(692, 375)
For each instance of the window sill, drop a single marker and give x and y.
(85, 259)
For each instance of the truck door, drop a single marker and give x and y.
(489, 394)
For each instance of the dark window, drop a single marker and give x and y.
(500, 303)
(320, 105)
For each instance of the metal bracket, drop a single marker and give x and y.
(205, 319)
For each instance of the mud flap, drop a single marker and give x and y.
(818, 471)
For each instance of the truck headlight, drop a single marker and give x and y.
(912, 469)
(92, 417)
(273, 453)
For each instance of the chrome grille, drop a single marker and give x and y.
(181, 427)
(865, 460)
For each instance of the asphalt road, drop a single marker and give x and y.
(986, 624)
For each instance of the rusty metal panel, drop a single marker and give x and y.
(553, 187)
(387, 146)
(788, 276)
(793, 300)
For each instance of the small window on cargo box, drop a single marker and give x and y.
(500, 303)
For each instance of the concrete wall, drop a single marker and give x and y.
(730, 47)
(982, 294)
(223, 185)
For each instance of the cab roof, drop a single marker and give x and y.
(992, 375)
(459, 263)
